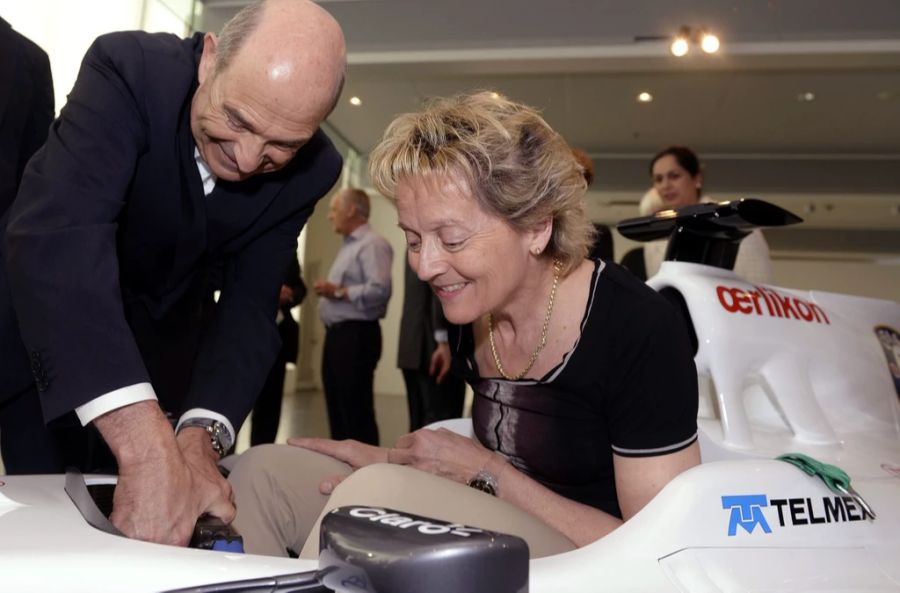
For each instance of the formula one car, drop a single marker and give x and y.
(799, 489)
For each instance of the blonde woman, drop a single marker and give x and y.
(585, 389)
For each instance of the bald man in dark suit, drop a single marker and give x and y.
(172, 159)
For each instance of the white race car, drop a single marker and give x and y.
(808, 374)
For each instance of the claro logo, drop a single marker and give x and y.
(401, 522)
(771, 303)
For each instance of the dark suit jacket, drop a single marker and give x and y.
(26, 107)
(110, 241)
(422, 314)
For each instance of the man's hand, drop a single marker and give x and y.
(157, 497)
(211, 489)
(286, 296)
(440, 362)
(329, 290)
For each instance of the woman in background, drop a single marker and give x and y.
(677, 178)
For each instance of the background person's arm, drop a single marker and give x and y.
(440, 356)
(375, 262)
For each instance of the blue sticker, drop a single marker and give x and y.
(746, 511)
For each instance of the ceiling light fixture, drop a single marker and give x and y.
(806, 97)
(645, 97)
(709, 43)
(686, 36)
(355, 101)
(680, 45)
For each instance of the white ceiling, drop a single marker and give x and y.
(583, 63)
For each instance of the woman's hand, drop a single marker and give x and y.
(441, 452)
(353, 453)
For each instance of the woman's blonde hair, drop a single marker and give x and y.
(515, 165)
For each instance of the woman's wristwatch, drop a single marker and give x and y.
(484, 481)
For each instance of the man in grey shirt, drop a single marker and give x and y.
(354, 298)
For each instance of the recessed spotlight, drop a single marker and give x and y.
(355, 101)
(644, 97)
(709, 43)
(806, 97)
(679, 47)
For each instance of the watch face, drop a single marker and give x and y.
(484, 486)
(221, 434)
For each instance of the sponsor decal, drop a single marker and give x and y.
(402, 522)
(889, 338)
(747, 511)
(768, 302)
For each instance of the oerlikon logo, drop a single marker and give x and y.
(771, 303)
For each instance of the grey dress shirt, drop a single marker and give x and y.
(363, 267)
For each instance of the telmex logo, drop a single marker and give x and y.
(769, 302)
(747, 511)
(401, 522)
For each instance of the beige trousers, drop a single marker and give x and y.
(276, 489)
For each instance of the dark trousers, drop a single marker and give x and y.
(349, 357)
(429, 401)
(267, 410)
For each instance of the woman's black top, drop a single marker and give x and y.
(628, 386)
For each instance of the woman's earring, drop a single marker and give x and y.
(536, 251)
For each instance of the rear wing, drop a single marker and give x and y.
(707, 233)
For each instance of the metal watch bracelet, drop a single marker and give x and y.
(219, 437)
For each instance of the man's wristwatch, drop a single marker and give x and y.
(219, 437)
(484, 481)
(340, 292)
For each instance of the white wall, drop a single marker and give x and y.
(66, 28)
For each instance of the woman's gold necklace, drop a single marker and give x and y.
(557, 266)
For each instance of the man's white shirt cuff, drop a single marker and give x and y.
(114, 400)
(440, 336)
